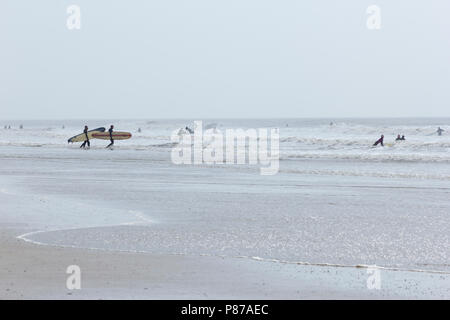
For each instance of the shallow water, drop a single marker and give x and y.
(332, 202)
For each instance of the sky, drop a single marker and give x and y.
(224, 59)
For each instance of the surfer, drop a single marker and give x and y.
(85, 131)
(110, 130)
(379, 141)
(189, 130)
(398, 138)
(439, 131)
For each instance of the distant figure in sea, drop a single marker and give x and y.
(439, 131)
(403, 137)
(21, 126)
(9, 127)
(63, 127)
(139, 130)
(86, 129)
(398, 138)
(189, 130)
(110, 130)
(379, 141)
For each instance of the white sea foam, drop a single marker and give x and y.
(309, 138)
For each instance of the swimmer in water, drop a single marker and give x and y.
(379, 141)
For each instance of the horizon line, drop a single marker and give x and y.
(229, 118)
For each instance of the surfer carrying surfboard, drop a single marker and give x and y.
(85, 131)
(111, 135)
(110, 130)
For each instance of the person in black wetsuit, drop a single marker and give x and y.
(111, 136)
(189, 130)
(379, 141)
(398, 138)
(87, 138)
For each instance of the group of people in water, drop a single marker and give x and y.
(87, 143)
(9, 127)
(381, 140)
(402, 137)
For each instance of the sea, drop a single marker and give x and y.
(335, 200)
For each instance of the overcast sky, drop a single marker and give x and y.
(224, 58)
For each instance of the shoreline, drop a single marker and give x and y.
(31, 271)
(25, 237)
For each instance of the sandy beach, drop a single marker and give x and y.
(31, 271)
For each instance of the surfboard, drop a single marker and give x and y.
(117, 135)
(82, 137)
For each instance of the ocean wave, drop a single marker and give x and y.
(301, 139)
(365, 142)
(404, 175)
(401, 157)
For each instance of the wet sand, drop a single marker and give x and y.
(30, 271)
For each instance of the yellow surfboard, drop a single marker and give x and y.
(82, 137)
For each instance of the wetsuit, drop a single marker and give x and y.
(379, 141)
(110, 137)
(87, 140)
(189, 130)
